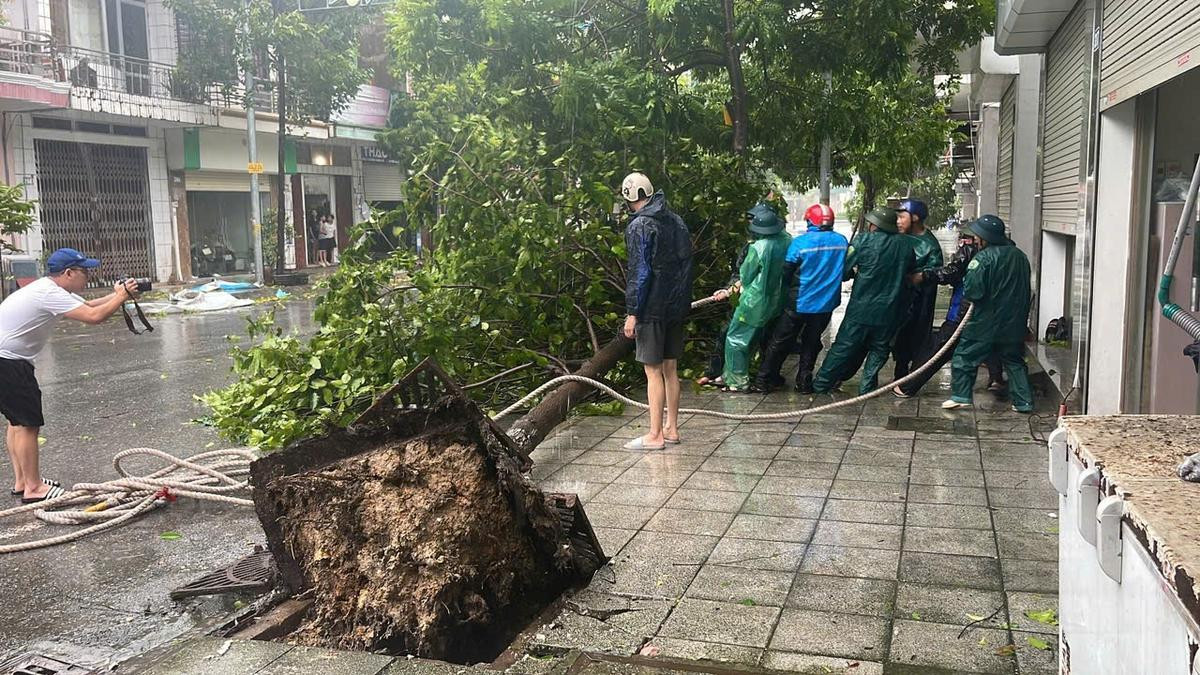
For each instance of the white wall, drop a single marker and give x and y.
(1110, 270)
(1052, 298)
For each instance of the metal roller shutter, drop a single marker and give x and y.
(1004, 177)
(381, 182)
(1067, 75)
(222, 181)
(1146, 43)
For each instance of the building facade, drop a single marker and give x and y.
(126, 165)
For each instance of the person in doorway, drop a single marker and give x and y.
(997, 286)
(951, 274)
(761, 278)
(26, 319)
(812, 270)
(328, 240)
(879, 261)
(916, 327)
(313, 230)
(658, 295)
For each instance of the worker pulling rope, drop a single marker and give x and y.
(216, 476)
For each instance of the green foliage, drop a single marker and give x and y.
(268, 234)
(16, 215)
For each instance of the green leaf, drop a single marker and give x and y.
(170, 535)
(1038, 643)
(976, 617)
(314, 363)
(748, 602)
(916, 616)
(1047, 617)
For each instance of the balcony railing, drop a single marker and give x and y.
(26, 52)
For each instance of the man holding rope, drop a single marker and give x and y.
(26, 319)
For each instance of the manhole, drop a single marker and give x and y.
(255, 572)
(37, 664)
(931, 425)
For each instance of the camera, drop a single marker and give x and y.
(143, 284)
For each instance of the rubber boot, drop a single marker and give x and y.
(804, 383)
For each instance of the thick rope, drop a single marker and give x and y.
(763, 417)
(209, 476)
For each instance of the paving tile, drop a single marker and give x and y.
(722, 622)
(663, 462)
(860, 511)
(695, 650)
(728, 482)
(1028, 545)
(302, 660)
(741, 585)
(871, 472)
(1011, 519)
(754, 436)
(576, 487)
(955, 541)
(658, 564)
(690, 521)
(949, 515)
(586, 473)
(879, 445)
(207, 655)
(809, 438)
(607, 458)
(812, 663)
(849, 595)
(851, 562)
(613, 539)
(781, 467)
(863, 433)
(697, 446)
(759, 554)
(1030, 575)
(1018, 479)
(775, 528)
(922, 643)
(542, 470)
(1033, 660)
(863, 535)
(784, 505)
(631, 622)
(750, 466)
(950, 570)
(928, 475)
(819, 455)
(868, 490)
(947, 461)
(633, 495)
(709, 500)
(1037, 498)
(850, 636)
(1020, 602)
(949, 604)
(621, 516)
(892, 458)
(951, 445)
(792, 485)
(732, 448)
(639, 475)
(946, 494)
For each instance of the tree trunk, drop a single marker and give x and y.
(737, 83)
(533, 428)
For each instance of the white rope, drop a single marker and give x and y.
(214, 476)
(763, 417)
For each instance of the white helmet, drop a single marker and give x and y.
(636, 187)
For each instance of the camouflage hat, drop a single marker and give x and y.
(883, 218)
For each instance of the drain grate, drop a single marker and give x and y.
(579, 530)
(931, 425)
(37, 664)
(255, 572)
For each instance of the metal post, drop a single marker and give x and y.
(252, 148)
(826, 148)
(281, 216)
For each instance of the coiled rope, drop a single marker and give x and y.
(215, 476)
(748, 417)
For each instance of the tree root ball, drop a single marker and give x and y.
(419, 538)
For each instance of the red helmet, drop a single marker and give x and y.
(819, 215)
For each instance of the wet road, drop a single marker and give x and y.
(104, 598)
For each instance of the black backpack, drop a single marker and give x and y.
(1059, 330)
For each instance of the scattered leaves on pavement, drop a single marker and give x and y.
(1038, 643)
(1006, 650)
(170, 535)
(1046, 617)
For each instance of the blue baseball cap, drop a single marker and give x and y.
(66, 258)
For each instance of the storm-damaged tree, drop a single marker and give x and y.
(16, 217)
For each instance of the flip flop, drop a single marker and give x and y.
(53, 493)
(672, 441)
(639, 444)
(45, 481)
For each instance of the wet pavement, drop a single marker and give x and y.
(104, 598)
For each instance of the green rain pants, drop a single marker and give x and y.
(738, 340)
(854, 344)
(970, 353)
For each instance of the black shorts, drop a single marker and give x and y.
(657, 341)
(20, 396)
(327, 245)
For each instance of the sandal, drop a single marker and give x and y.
(707, 381)
(45, 481)
(639, 444)
(53, 493)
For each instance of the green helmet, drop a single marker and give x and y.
(989, 228)
(883, 218)
(764, 220)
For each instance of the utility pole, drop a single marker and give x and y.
(826, 146)
(281, 204)
(253, 166)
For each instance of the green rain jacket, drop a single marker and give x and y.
(928, 250)
(878, 262)
(997, 284)
(762, 280)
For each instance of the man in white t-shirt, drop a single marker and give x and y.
(26, 319)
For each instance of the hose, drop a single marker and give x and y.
(764, 417)
(214, 476)
(1171, 311)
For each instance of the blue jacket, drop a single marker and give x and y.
(658, 280)
(813, 270)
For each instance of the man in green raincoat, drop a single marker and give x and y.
(997, 286)
(879, 261)
(761, 301)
